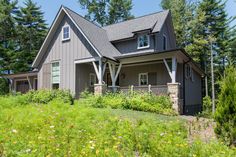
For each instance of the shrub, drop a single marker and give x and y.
(4, 87)
(207, 107)
(45, 96)
(226, 108)
(134, 101)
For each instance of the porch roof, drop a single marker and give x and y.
(20, 75)
(181, 55)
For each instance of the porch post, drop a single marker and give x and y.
(99, 88)
(114, 75)
(174, 67)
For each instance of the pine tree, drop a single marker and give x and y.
(106, 12)
(31, 32)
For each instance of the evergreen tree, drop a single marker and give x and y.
(7, 34)
(106, 12)
(225, 116)
(31, 32)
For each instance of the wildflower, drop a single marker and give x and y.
(51, 126)
(162, 134)
(91, 141)
(28, 150)
(92, 147)
(14, 131)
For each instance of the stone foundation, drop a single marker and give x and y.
(174, 93)
(100, 89)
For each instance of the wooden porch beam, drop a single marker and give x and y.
(168, 68)
(96, 69)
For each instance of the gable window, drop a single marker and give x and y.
(55, 75)
(143, 41)
(143, 79)
(66, 33)
(164, 42)
(92, 79)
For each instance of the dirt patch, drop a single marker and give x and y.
(200, 128)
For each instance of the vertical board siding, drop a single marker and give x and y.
(66, 52)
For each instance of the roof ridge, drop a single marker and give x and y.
(139, 17)
(83, 17)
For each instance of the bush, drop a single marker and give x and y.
(4, 87)
(45, 96)
(207, 107)
(134, 101)
(226, 108)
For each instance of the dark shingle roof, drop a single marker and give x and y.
(125, 29)
(96, 35)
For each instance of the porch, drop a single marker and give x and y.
(155, 73)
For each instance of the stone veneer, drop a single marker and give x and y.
(174, 93)
(100, 89)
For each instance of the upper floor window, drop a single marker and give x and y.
(164, 42)
(66, 33)
(143, 41)
(55, 75)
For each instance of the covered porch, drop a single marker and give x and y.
(158, 73)
(22, 82)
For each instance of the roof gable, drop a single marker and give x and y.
(95, 36)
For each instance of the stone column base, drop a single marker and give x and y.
(174, 93)
(100, 89)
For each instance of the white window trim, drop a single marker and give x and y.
(62, 30)
(144, 47)
(59, 73)
(95, 80)
(139, 76)
(163, 42)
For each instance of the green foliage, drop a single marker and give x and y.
(59, 129)
(4, 87)
(31, 30)
(133, 101)
(106, 12)
(207, 107)
(226, 108)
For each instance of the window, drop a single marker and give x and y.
(164, 42)
(189, 72)
(55, 75)
(92, 79)
(143, 79)
(143, 41)
(66, 33)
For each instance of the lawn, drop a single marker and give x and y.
(61, 129)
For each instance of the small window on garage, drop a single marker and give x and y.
(143, 79)
(143, 41)
(55, 75)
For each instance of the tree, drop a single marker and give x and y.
(31, 32)
(106, 12)
(7, 34)
(225, 116)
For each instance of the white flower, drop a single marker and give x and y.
(92, 147)
(162, 134)
(51, 126)
(28, 150)
(14, 131)
(90, 141)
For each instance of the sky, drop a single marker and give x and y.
(140, 7)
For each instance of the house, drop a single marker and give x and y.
(138, 54)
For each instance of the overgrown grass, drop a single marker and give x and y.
(132, 101)
(61, 129)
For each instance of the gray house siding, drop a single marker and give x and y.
(66, 53)
(131, 46)
(193, 94)
(166, 30)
